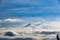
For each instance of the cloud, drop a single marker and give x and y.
(54, 24)
(33, 22)
(13, 20)
(0, 20)
(45, 24)
(48, 33)
(16, 39)
(36, 15)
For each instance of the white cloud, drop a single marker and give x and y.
(55, 24)
(38, 23)
(0, 20)
(12, 20)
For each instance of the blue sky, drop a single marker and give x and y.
(29, 8)
(32, 10)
